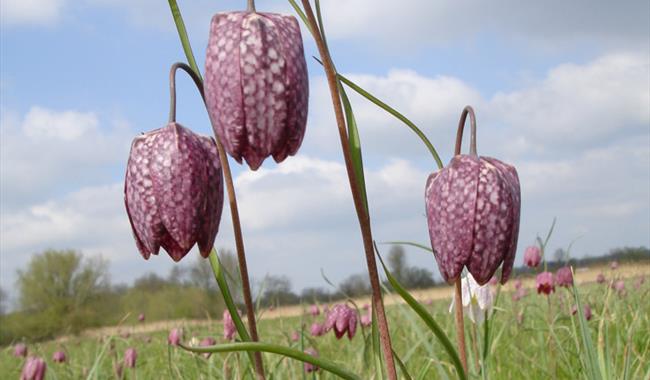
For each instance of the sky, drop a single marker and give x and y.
(561, 91)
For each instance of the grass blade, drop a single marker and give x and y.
(324, 364)
(590, 350)
(417, 245)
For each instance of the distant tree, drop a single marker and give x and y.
(276, 290)
(62, 279)
(230, 265)
(418, 278)
(560, 255)
(201, 276)
(150, 282)
(177, 275)
(355, 285)
(397, 262)
(315, 295)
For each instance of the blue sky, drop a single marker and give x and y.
(561, 91)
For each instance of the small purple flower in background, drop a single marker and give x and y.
(477, 299)
(175, 337)
(586, 309)
(308, 366)
(316, 329)
(173, 191)
(20, 350)
(545, 283)
(141, 317)
(366, 307)
(295, 336)
(34, 369)
(256, 85)
(229, 329)
(59, 357)
(473, 207)
(600, 278)
(366, 319)
(532, 256)
(519, 294)
(639, 282)
(564, 277)
(428, 301)
(314, 310)
(619, 286)
(207, 342)
(518, 284)
(613, 265)
(130, 357)
(342, 318)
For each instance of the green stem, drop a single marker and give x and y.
(325, 364)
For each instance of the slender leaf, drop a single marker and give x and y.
(324, 364)
(402, 367)
(185, 41)
(417, 245)
(591, 357)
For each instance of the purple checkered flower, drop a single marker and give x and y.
(545, 283)
(20, 350)
(173, 191)
(256, 85)
(564, 277)
(532, 256)
(34, 369)
(59, 357)
(130, 357)
(342, 319)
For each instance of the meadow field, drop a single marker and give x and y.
(535, 337)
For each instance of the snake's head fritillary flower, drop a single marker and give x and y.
(308, 366)
(314, 310)
(518, 284)
(316, 329)
(600, 278)
(175, 337)
(59, 357)
(545, 283)
(34, 369)
(141, 317)
(564, 277)
(366, 319)
(20, 350)
(207, 342)
(586, 309)
(477, 299)
(619, 286)
(256, 85)
(229, 329)
(342, 319)
(295, 336)
(173, 191)
(613, 265)
(532, 256)
(519, 294)
(130, 357)
(473, 213)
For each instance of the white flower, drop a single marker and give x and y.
(477, 299)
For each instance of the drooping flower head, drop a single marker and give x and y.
(342, 319)
(173, 191)
(141, 317)
(229, 329)
(564, 277)
(59, 357)
(472, 210)
(130, 357)
(545, 283)
(613, 265)
(256, 85)
(619, 286)
(586, 309)
(175, 336)
(20, 350)
(600, 278)
(519, 294)
(314, 310)
(308, 366)
(295, 336)
(518, 284)
(477, 299)
(366, 319)
(207, 342)
(316, 329)
(532, 256)
(33, 369)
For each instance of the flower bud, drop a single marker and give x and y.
(34, 369)
(342, 318)
(175, 337)
(316, 329)
(229, 328)
(564, 277)
(207, 342)
(600, 278)
(532, 256)
(256, 85)
(295, 336)
(20, 350)
(59, 357)
(173, 191)
(314, 310)
(366, 319)
(545, 283)
(141, 317)
(130, 356)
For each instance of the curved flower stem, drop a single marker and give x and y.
(172, 86)
(362, 213)
(460, 324)
(234, 211)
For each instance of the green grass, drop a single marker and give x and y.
(544, 346)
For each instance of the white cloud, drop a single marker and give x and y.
(31, 12)
(48, 150)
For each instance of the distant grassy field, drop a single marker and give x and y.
(532, 339)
